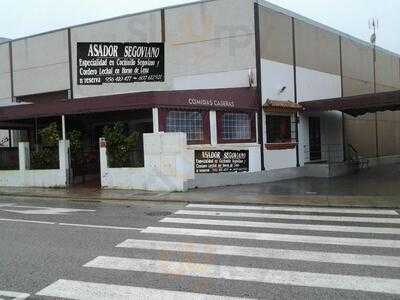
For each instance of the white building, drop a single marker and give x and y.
(233, 75)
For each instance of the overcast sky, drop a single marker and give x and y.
(20, 18)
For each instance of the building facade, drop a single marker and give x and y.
(235, 74)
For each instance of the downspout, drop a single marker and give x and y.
(342, 95)
(295, 91)
(71, 83)
(259, 82)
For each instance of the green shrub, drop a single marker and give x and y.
(120, 146)
(45, 155)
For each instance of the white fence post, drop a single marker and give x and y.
(63, 152)
(103, 160)
(24, 156)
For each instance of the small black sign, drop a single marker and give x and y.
(210, 161)
(100, 63)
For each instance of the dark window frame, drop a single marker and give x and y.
(220, 134)
(162, 123)
(273, 143)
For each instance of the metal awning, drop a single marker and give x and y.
(357, 105)
(214, 99)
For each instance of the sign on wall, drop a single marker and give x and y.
(100, 63)
(218, 161)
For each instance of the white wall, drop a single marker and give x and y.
(5, 74)
(315, 85)
(168, 166)
(24, 177)
(144, 27)
(40, 64)
(280, 159)
(275, 76)
(228, 79)
(210, 37)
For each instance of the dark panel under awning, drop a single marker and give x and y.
(357, 105)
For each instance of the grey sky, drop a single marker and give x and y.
(20, 18)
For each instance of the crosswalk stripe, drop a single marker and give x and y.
(81, 290)
(288, 217)
(298, 209)
(13, 295)
(294, 278)
(307, 239)
(314, 256)
(356, 229)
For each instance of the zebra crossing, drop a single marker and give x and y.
(253, 252)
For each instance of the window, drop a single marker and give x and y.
(279, 129)
(236, 126)
(190, 122)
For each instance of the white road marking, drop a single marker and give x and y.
(293, 226)
(319, 280)
(306, 239)
(72, 225)
(288, 217)
(299, 209)
(45, 211)
(80, 290)
(314, 256)
(27, 221)
(6, 204)
(99, 226)
(13, 295)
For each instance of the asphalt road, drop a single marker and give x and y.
(52, 249)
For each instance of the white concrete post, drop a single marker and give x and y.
(103, 160)
(64, 157)
(24, 156)
(213, 128)
(156, 126)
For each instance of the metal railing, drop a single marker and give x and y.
(333, 154)
(328, 154)
(360, 162)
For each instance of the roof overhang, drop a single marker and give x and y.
(214, 99)
(279, 106)
(357, 105)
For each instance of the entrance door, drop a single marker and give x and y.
(315, 138)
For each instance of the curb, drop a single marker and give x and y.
(273, 200)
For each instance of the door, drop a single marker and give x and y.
(315, 138)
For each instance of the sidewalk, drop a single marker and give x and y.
(378, 188)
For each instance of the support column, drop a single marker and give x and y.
(213, 128)
(64, 134)
(156, 127)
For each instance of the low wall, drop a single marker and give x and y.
(24, 177)
(227, 179)
(168, 165)
(33, 178)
